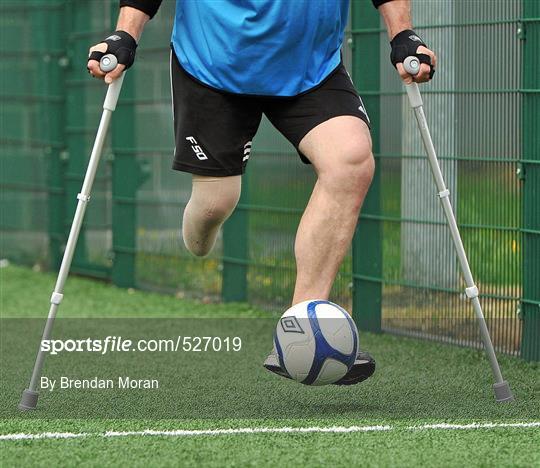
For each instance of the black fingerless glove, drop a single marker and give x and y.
(405, 44)
(122, 45)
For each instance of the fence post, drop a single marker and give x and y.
(125, 181)
(530, 345)
(367, 243)
(76, 143)
(49, 34)
(235, 250)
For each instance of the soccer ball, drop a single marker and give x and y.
(316, 342)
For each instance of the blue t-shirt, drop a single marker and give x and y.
(261, 47)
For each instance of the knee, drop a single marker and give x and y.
(351, 169)
(363, 166)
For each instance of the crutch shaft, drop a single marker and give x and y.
(83, 199)
(30, 395)
(502, 390)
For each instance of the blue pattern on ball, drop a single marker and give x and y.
(323, 350)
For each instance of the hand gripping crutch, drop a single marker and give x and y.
(500, 387)
(107, 63)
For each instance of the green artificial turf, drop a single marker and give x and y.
(416, 383)
(488, 448)
(26, 294)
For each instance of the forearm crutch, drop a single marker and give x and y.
(107, 63)
(500, 387)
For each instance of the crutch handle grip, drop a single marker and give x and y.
(108, 63)
(412, 65)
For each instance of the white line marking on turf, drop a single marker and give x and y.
(474, 425)
(44, 435)
(264, 430)
(250, 430)
(201, 432)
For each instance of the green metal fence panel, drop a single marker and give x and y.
(30, 131)
(400, 276)
(50, 33)
(473, 109)
(530, 36)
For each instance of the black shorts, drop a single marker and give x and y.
(213, 129)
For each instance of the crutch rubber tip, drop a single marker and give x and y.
(502, 391)
(28, 400)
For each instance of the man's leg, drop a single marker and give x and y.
(212, 201)
(340, 151)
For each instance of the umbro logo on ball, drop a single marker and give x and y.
(291, 325)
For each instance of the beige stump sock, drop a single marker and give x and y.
(212, 201)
